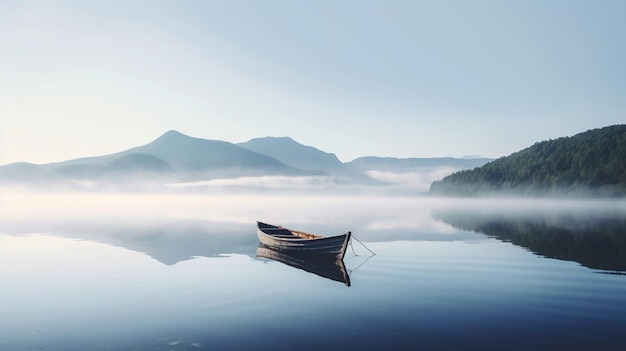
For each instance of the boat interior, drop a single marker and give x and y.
(281, 232)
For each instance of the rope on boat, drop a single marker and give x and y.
(351, 246)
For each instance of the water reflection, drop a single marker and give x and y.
(325, 266)
(169, 241)
(594, 240)
(173, 229)
(431, 285)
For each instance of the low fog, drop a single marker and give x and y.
(182, 221)
(412, 181)
(417, 181)
(311, 203)
(219, 206)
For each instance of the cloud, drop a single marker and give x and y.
(273, 182)
(419, 180)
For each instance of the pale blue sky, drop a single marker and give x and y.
(386, 78)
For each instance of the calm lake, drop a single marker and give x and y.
(181, 272)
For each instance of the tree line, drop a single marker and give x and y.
(592, 163)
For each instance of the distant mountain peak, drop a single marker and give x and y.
(172, 134)
(294, 154)
(174, 138)
(273, 142)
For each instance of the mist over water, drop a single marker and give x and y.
(177, 269)
(415, 181)
(206, 215)
(409, 181)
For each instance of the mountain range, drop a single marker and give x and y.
(176, 157)
(591, 163)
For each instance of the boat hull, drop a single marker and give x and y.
(279, 238)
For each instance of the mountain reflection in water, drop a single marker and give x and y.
(169, 241)
(594, 240)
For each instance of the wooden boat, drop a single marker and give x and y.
(326, 266)
(283, 239)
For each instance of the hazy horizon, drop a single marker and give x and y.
(356, 78)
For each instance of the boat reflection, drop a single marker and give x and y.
(326, 266)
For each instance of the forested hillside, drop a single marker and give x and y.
(592, 163)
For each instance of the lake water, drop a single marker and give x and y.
(181, 272)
